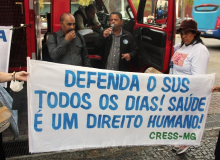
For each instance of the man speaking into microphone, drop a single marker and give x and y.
(116, 45)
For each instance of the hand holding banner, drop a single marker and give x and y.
(72, 107)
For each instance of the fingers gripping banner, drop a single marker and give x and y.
(71, 107)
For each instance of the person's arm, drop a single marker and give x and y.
(5, 77)
(133, 48)
(176, 47)
(56, 51)
(199, 60)
(216, 89)
(96, 20)
(84, 54)
(99, 44)
(97, 25)
(80, 24)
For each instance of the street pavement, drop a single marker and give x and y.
(204, 151)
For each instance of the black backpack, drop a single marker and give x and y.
(45, 51)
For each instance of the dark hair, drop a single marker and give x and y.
(118, 13)
(90, 8)
(62, 17)
(196, 39)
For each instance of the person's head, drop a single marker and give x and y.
(91, 11)
(188, 31)
(67, 22)
(116, 19)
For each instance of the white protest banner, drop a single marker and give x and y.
(72, 107)
(5, 45)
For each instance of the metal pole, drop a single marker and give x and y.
(38, 28)
(177, 8)
(182, 10)
(123, 8)
(152, 8)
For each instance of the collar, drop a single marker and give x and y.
(60, 33)
(192, 42)
(120, 34)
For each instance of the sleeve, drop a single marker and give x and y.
(96, 20)
(84, 53)
(99, 44)
(199, 61)
(176, 47)
(80, 24)
(133, 48)
(56, 51)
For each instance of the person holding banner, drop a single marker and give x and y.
(117, 45)
(67, 46)
(217, 148)
(190, 57)
(5, 77)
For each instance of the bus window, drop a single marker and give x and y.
(154, 33)
(122, 7)
(136, 4)
(207, 15)
(117, 6)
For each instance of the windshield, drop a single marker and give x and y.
(117, 6)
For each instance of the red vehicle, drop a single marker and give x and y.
(153, 34)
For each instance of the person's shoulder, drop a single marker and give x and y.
(80, 11)
(51, 36)
(78, 14)
(124, 32)
(200, 46)
(177, 45)
(57, 34)
(80, 36)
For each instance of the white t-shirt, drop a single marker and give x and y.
(190, 60)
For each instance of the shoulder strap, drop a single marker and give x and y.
(55, 37)
(80, 37)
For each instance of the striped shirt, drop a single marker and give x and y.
(114, 54)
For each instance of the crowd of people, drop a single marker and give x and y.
(118, 48)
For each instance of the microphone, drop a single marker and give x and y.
(112, 25)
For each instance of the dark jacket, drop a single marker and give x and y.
(104, 45)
